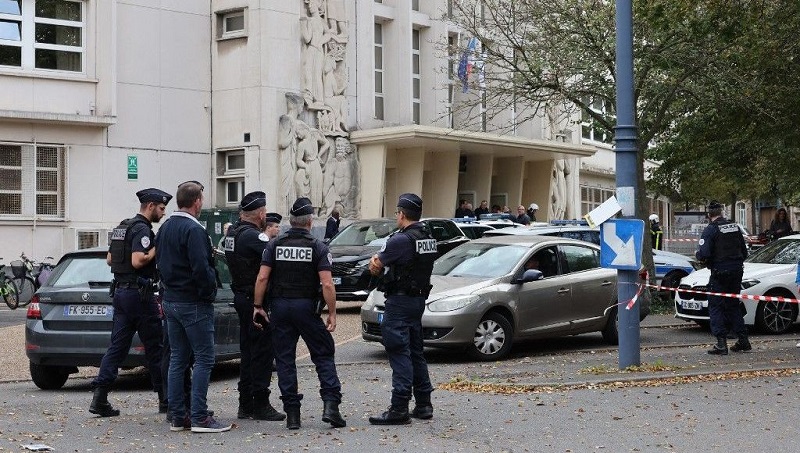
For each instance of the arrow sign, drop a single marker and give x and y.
(621, 243)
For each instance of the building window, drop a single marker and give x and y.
(234, 162)
(452, 70)
(415, 5)
(231, 24)
(32, 181)
(379, 71)
(741, 213)
(88, 239)
(589, 129)
(415, 76)
(234, 191)
(43, 34)
(592, 197)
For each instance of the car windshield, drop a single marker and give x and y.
(80, 270)
(479, 260)
(362, 233)
(784, 251)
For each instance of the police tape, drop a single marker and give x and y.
(731, 295)
(681, 240)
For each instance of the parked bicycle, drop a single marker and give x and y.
(8, 289)
(29, 276)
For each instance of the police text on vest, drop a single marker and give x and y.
(426, 246)
(294, 254)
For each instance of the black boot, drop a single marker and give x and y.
(330, 414)
(423, 409)
(263, 410)
(100, 405)
(742, 345)
(245, 406)
(163, 405)
(721, 348)
(292, 417)
(394, 416)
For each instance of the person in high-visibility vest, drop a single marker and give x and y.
(656, 233)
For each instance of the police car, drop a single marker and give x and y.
(353, 247)
(670, 267)
(769, 271)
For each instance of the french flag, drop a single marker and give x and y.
(466, 64)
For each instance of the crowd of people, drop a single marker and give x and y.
(523, 215)
(281, 284)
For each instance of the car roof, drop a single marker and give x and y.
(530, 239)
(540, 230)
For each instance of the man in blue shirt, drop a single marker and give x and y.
(189, 282)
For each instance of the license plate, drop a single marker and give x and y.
(89, 310)
(380, 318)
(337, 280)
(692, 305)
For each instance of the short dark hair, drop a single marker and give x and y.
(410, 215)
(188, 193)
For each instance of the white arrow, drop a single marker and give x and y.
(626, 251)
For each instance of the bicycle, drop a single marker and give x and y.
(29, 276)
(8, 289)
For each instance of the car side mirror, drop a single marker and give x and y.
(529, 276)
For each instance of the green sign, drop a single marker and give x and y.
(133, 167)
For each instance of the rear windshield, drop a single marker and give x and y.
(80, 270)
(358, 234)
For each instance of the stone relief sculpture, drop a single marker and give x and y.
(317, 160)
(558, 191)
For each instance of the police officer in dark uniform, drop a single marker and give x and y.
(723, 250)
(294, 266)
(131, 256)
(409, 255)
(243, 245)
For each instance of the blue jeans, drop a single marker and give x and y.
(191, 331)
(401, 330)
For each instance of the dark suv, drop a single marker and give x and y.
(355, 244)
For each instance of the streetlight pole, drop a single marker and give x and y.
(625, 137)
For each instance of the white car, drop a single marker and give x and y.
(769, 271)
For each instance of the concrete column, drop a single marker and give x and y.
(536, 187)
(440, 184)
(410, 168)
(373, 162)
(508, 172)
(477, 178)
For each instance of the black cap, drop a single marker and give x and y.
(273, 217)
(302, 206)
(410, 201)
(713, 204)
(153, 195)
(253, 201)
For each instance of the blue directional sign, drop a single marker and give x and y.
(621, 243)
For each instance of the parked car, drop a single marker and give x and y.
(486, 295)
(352, 248)
(769, 271)
(472, 229)
(670, 267)
(69, 320)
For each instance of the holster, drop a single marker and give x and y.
(147, 288)
(112, 288)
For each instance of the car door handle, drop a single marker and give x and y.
(605, 284)
(563, 291)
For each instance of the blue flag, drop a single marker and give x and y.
(466, 63)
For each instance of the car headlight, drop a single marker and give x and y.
(452, 303)
(749, 283)
(697, 265)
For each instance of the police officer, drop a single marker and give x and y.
(294, 265)
(723, 250)
(131, 256)
(656, 233)
(244, 244)
(273, 227)
(409, 256)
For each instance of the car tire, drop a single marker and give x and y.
(48, 377)
(492, 338)
(775, 317)
(611, 330)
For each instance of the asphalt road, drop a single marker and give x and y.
(10, 317)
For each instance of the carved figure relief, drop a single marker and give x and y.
(558, 191)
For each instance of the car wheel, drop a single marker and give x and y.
(493, 338)
(775, 317)
(48, 377)
(672, 280)
(611, 330)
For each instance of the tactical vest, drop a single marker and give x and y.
(294, 274)
(728, 242)
(121, 251)
(244, 269)
(413, 278)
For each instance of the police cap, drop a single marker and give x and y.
(273, 217)
(153, 195)
(410, 201)
(302, 206)
(253, 201)
(713, 204)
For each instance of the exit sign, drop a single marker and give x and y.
(133, 167)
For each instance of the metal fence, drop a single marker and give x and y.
(682, 241)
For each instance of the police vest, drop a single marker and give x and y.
(294, 273)
(121, 251)
(244, 264)
(728, 243)
(413, 278)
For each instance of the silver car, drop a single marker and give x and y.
(492, 291)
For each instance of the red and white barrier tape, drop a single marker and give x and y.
(740, 296)
(681, 240)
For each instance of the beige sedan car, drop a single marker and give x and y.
(492, 291)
